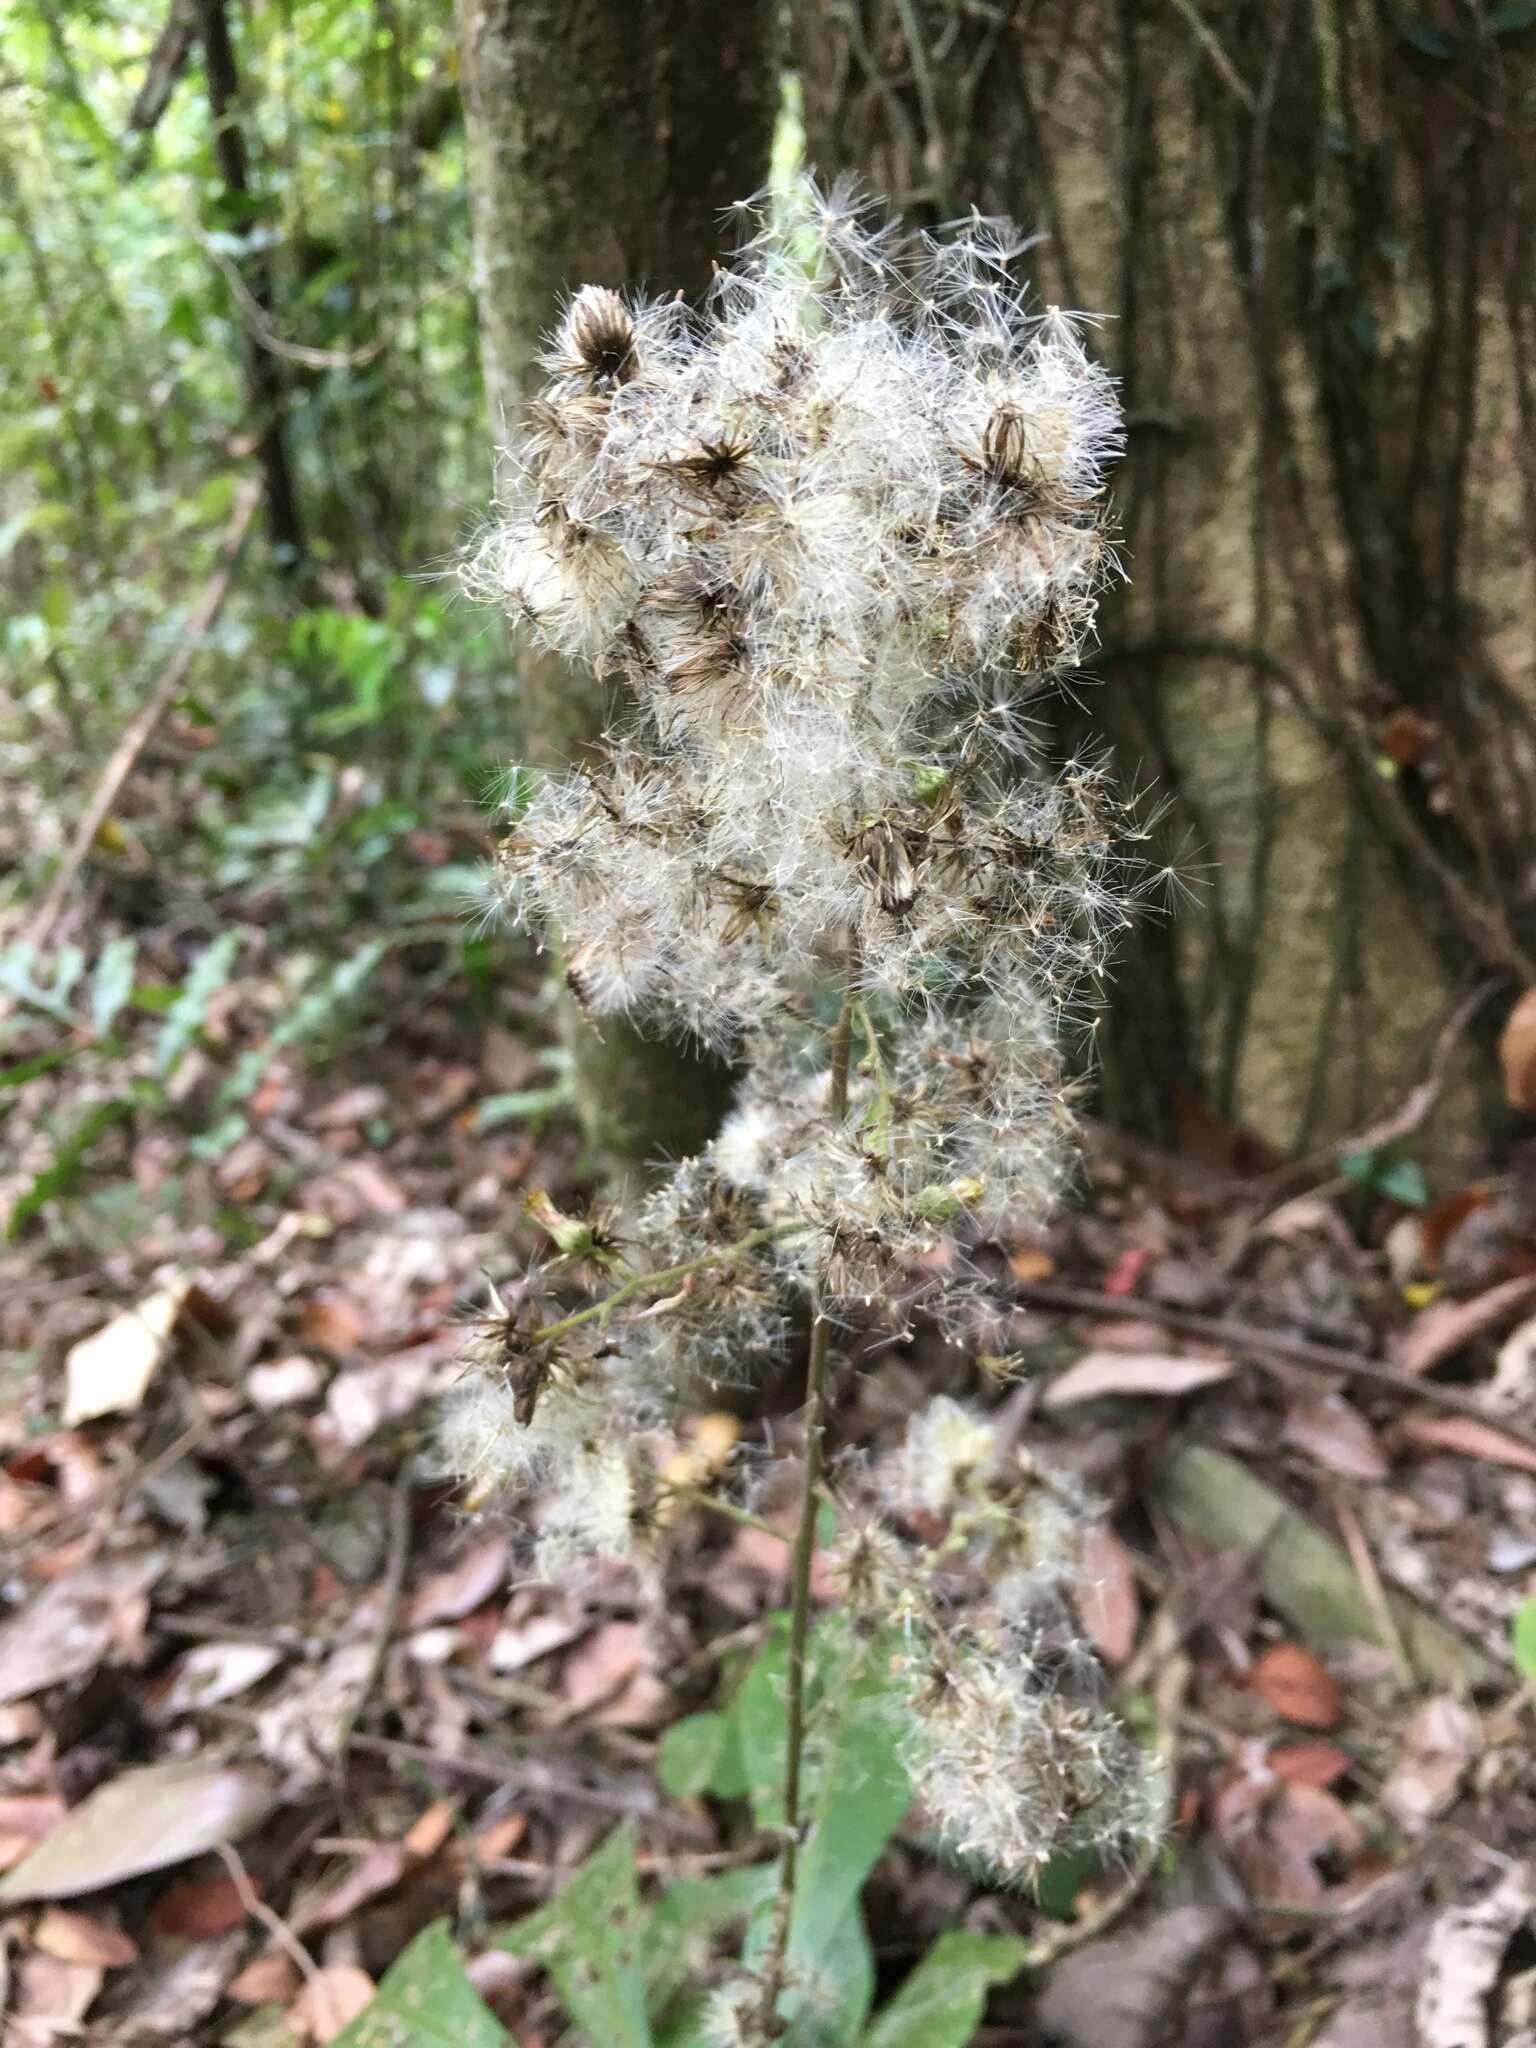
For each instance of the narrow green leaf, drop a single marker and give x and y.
(112, 982)
(589, 1940)
(940, 2004)
(1524, 1638)
(861, 1794)
(64, 1168)
(185, 1017)
(425, 2000)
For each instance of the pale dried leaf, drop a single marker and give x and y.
(451, 1594)
(49, 1999)
(1335, 1435)
(216, 1671)
(302, 1730)
(283, 1382)
(331, 2000)
(1446, 1327)
(1100, 1373)
(143, 1820)
(109, 1373)
(1471, 1438)
(177, 1990)
(1441, 1741)
(522, 1643)
(73, 1937)
(73, 1625)
(1104, 1594)
(1517, 1053)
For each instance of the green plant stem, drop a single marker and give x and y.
(654, 1282)
(804, 1553)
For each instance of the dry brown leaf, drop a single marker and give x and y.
(333, 1321)
(143, 1820)
(201, 1907)
(1309, 1763)
(603, 1665)
(1517, 1053)
(1297, 1686)
(1100, 1373)
(451, 1594)
(330, 2001)
(271, 1980)
(427, 1834)
(72, 1937)
(213, 1672)
(74, 1624)
(1465, 1434)
(109, 1373)
(1446, 1327)
(1104, 1594)
(48, 2000)
(353, 1106)
(1334, 1434)
(1441, 1741)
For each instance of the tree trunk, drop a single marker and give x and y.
(605, 138)
(265, 380)
(1312, 223)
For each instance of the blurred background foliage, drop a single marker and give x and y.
(170, 317)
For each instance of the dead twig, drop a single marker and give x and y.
(1267, 1344)
(137, 732)
(258, 1909)
(395, 1561)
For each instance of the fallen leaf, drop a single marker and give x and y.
(271, 1980)
(1440, 1743)
(1104, 1594)
(1406, 735)
(1309, 1763)
(353, 1106)
(333, 1322)
(1517, 1053)
(178, 1986)
(109, 1373)
(73, 1937)
(49, 1999)
(605, 1663)
(524, 1643)
(331, 2000)
(201, 1907)
(431, 1829)
(1335, 1435)
(1446, 1327)
(75, 1624)
(1124, 1276)
(1473, 1439)
(1100, 1373)
(283, 1382)
(451, 1594)
(1297, 1686)
(213, 1672)
(144, 1820)
(301, 1729)
(1463, 1957)
(359, 1402)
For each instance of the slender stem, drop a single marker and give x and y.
(804, 1554)
(664, 1276)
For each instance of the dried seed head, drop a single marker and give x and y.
(600, 335)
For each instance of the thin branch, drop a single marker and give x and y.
(396, 1559)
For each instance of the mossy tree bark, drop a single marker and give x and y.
(605, 139)
(1314, 228)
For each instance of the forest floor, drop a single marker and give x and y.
(243, 1612)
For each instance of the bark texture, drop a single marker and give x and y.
(605, 138)
(1313, 225)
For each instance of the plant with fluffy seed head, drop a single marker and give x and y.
(831, 531)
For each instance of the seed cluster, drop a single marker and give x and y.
(831, 532)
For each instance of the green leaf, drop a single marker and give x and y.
(833, 1989)
(425, 2000)
(589, 1940)
(39, 1063)
(940, 2005)
(63, 1169)
(860, 1797)
(525, 1105)
(690, 1753)
(185, 1018)
(112, 983)
(1523, 1634)
(1402, 1180)
(316, 1010)
(689, 1922)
